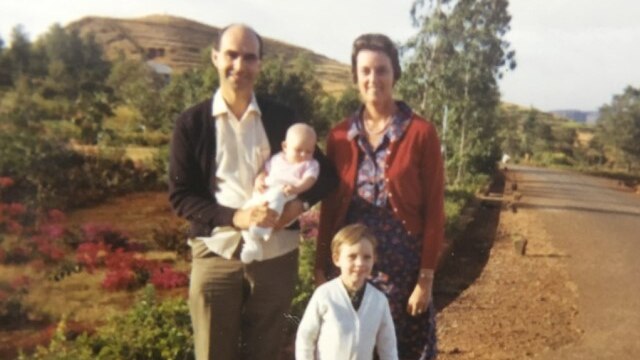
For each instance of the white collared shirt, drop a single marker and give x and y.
(242, 147)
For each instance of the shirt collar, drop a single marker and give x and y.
(219, 106)
(399, 123)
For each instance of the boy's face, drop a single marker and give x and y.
(355, 263)
(298, 147)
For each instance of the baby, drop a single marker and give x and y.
(346, 317)
(285, 175)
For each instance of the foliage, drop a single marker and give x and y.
(297, 87)
(451, 72)
(151, 330)
(49, 175)
(12, 308)
(620, 125)
(137, 84)
(171, 237)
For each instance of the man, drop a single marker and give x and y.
(218, 148)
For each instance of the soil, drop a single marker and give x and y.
(493, 303)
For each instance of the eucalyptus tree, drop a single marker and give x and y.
(452, 65)
(619, 125)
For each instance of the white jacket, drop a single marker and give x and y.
(331, 329)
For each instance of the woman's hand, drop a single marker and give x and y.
(421, 296)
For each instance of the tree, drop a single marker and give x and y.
(5, 70)
(620, 125)
(73, 64)
(186, 89)
(295, 85)
(19, 53)
(137, 85)
(91, 110)
(452, 65)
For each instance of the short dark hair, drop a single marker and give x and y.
(375, 42)
(216, 42)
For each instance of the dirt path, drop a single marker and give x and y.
(574, 295)
(497, 304)
(596, 223)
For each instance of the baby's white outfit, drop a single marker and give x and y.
(280, 173)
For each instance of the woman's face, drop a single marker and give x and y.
(375, 76)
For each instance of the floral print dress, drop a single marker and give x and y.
(398, 253)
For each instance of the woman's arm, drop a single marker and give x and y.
(432, 175)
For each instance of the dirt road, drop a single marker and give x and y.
(596, 224)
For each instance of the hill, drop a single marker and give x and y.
(585, 117)
(179, 44)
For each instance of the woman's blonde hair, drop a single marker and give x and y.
(352, 234)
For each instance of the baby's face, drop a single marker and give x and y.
(298, 147)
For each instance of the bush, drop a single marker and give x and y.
(151, 330)
(456, 199)
(47, 174)
(172, 237)
(12, 309)
(553, 158)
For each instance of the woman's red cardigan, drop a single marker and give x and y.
(415, 181)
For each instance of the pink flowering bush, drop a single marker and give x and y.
(165, 277)
(309, 224)
(12, 309)
(12, 217)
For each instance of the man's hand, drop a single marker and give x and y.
(260, 184)
(291, 211)
(259, 215)
(290, 190)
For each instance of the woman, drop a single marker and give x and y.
(391, 179)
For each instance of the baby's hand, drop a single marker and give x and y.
(289, 190)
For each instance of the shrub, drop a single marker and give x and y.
(172, 237)
(48, 174)
(151, 330)
(12, 309)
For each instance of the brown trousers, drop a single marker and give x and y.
(238, 310)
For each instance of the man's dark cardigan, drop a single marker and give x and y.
(192, 169)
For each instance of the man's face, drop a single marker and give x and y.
(237, 59)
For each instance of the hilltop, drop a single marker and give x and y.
(179, 44)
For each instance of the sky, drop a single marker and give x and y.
(571, 54)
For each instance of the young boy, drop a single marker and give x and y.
(346, 317)
(285, 175)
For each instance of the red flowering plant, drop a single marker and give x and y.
(112, 237)
(165, 277)
(12, 309)
(309, 224)
(126, 270)
(12, 215)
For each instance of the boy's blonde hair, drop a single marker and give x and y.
(352, 234)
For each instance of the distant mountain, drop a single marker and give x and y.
(585, 117)
(178, 44)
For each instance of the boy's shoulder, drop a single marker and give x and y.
(374, 291)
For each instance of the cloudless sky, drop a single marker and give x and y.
(571, 54)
